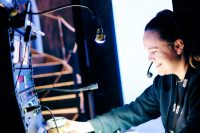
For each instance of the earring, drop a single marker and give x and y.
(180, 52)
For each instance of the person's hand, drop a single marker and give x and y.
(77, 127)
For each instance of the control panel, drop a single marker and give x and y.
(26, 97)
(20, 106)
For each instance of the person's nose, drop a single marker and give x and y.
(151, 58)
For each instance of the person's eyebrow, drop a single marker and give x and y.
(152, 48)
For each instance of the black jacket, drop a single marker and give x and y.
(156, 100)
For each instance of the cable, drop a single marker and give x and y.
(52, 116)
(21, 64)
(90, 87)
(26, 40)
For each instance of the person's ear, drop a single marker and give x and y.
(178, 46)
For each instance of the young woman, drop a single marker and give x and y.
(171, 40)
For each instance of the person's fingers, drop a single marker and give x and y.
(72, 131)
(68, 124)
(70, 127)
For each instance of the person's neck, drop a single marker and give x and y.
(182, 72)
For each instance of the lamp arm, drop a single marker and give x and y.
(100, 36)
(69, 6)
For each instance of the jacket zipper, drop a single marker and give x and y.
(169, 105)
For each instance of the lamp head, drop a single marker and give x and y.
(100, 36)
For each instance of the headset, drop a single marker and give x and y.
(149, 74)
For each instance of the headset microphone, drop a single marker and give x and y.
(149, 74)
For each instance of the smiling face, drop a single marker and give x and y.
(166, 58)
